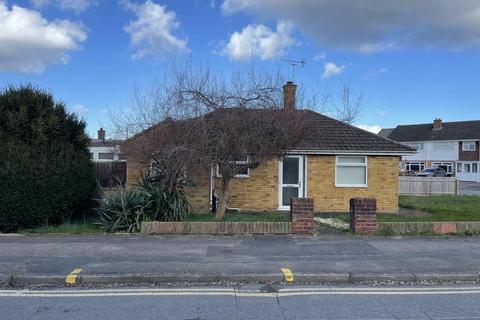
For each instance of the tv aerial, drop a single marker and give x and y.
(294, 63)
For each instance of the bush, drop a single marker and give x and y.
(124, 210)
(166, 205)
(45, 167)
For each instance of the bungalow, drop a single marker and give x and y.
(335, 162)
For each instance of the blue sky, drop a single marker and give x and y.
(412, 61)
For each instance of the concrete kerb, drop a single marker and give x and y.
(108, 279)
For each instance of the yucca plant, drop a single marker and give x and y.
(123, 210)
(164, 205)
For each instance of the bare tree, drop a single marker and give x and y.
(202, 119)
(344, 105)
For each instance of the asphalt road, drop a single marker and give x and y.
(230, 303)
(242, 255)
(469, 188)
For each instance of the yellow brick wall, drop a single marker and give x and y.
(198, 194)
(134, 172)
(382, 184)
(259, 192)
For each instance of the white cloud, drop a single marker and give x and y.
(372, 128)
(80, 109)
(75, 5)
(30, 43)
(374, 25)
(375, 73)
(260, 41)
(330, 69)
(320, 56)
(151, 33)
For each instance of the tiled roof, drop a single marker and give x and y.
(325, 134)
(107, 143)
(385, 132)
(328, 134)
(460, 130)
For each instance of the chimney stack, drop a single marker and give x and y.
(101, 134)
(289, 96)
(437, 124)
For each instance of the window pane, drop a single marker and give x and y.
(474, 167)
(290, 170)
(466, 167)
(288, 193)
(351, 159)
(459, 167)
(105, 156)
(351, 175)
(241, 170)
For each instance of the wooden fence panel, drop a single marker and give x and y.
(111, 173)
(421, 186)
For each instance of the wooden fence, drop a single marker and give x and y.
(111, 173)
(422, 186)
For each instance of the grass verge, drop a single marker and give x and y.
(66, 228)
(441, 208)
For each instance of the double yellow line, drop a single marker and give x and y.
(287, 274)
(72, 277)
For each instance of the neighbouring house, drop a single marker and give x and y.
(110, 165)
(453, 146)
(334, 163)
(102, 149)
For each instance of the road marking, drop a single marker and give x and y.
(231, 292)
(72, 277)
(287, 274)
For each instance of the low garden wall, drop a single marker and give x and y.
(455, 227)
(216, 227)
(301, 223)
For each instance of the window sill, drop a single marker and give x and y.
(241, 176)
(351, 185)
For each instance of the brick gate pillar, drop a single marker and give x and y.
(301, 215)
(363, 215)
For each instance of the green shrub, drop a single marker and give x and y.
(165, 205)
(45, 168)
(123, 210)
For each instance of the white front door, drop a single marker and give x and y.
(468, 171)
(291, 184)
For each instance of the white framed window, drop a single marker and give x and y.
(156, 170)
(474, 167)
(351, 171)
(466, 167)
(447, 166)
(468, 146)
(105, 155)
(459, 166)
(242, 169)
(415, 166)
(443, 146)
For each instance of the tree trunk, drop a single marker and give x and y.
(222, 200)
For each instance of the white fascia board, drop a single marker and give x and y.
(350, 152)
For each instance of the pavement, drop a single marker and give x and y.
(234, 303)
(138, 259)
(469, 188)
